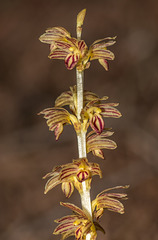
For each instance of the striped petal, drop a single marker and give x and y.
(97, 142)
(95, 169)
(70, 218)
(98, 153)
(71, 60)
(56, 118)
(67, 188)
(97, 123)
(104, 63)
(102, 41)
(64, 99)
(113, 188)
(53, 34)
(110, 202)
(82, 47)
(109, 111)
(74, 208)
(68, 98)
(98, 50)
(68, 171)
(89, 97)
(63, 44)
(66, 227)
(58, 54)
(82, 175)
(52, 182)
(102, 53)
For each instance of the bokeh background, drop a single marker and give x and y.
(31, 82)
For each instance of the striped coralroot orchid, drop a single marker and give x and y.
(93, 112)
(74, 51)
(72, 175)
(78, 224)
(86, 111)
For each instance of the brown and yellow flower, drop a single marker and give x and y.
(63, 46)
(74, 51)
(78, 224)
(72, 175)
(94, 111)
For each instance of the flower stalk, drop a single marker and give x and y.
(81, 137)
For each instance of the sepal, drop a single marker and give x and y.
(67, 188)
(57, 117)
(53, 34)
(95, 143)
(109, 201)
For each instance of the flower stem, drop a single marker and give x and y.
(81, 139)
(82, 136)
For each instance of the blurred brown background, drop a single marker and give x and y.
(31, 82)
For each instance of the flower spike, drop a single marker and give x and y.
(86, 110)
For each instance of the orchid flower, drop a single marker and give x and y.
(75, 52)
(72, 175)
